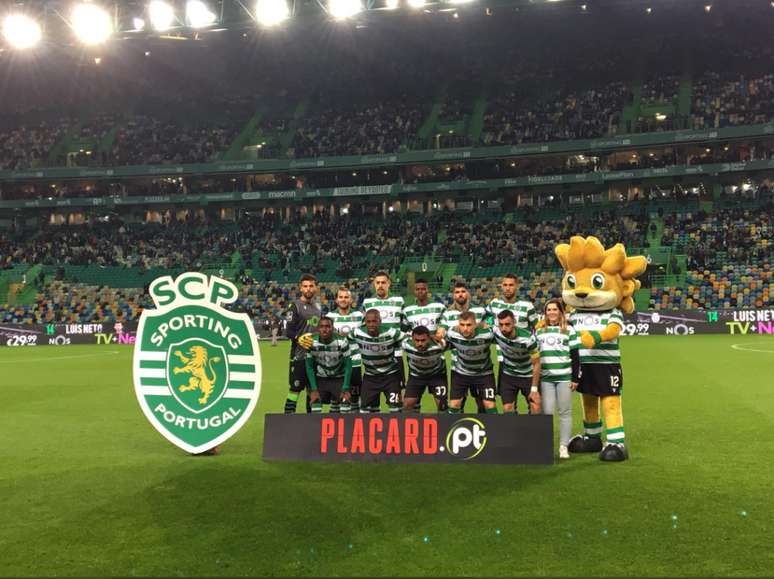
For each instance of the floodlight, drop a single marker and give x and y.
(271, 12)
(21, 31)
(161, 15)
(198, 14)
(344, 8)
(416, 3)
(91, 23)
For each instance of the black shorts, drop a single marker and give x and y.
(510, 387)
(480, 387)
(373, 386)
(356, 381)
(329, 389)
(437, 385)
(601, 379)
(298, 379)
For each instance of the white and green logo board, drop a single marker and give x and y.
(197, 368)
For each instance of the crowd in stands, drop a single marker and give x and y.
(24, 146)
(660, 89)
(730, 99)
(271, 251)
(515, 117)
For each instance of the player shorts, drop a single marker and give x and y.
(329, 388)
(298, 379)
(601, 379)
(356, 380)
(511, 386)
(437, 385)
(374, 386)
(479, 386)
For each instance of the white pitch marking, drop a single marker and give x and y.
(241, 377)
(155, 391)
(236, 393)
(151, 373)
(738, 347)
(26, 360)
(153, 356)
(235, 359)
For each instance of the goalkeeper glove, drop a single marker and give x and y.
(306, 341)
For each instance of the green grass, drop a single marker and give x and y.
(88, 487)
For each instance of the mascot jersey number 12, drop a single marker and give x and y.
(599, 284)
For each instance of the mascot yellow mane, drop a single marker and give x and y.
(597, 279)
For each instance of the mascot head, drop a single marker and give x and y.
(597, 279)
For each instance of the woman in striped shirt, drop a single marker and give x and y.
(560, 368)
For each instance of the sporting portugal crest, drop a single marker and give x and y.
(197, 369)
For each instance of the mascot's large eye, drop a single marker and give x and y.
(571, 281)
(597, 281)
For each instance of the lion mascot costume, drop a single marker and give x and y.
(598, 285)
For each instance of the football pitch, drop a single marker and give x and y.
(88, 487)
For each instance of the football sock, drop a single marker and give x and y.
(355, 403)
(453, 410)
(375, 409)
(418, 407)
(594, 429)
(615, 434)
(290, 404)
(316, 407)
(335, 407)
(394, 408)
(481, 410)
(345, 408)
(491, 410)
(308, 404)
(509, 412)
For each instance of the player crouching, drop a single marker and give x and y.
(329, 355)
(427, 369)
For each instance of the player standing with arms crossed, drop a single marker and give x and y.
(425, 314)
(449, 320)
(345, 319)
(302, 319)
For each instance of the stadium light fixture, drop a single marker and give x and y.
(392, 4)
(198, 14)
(161, 15)
(342, 9)
(21, 31)
(271, 12)
(649, 10)
(91, 24)
(139, 23)
(416, 3)
(708, 8)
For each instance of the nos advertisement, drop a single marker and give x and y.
(690, 322)
(651, 323)
(440, 438)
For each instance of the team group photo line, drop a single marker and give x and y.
(347, 358)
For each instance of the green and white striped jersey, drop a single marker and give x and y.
(517, 352)
(330, 359)
(606, 352)
(555, 361)
(344, 324)
(523, 312)
(380, 354)
(429, 316)
(390, 309)
(471, 357)
(428, 363)
(452, 315)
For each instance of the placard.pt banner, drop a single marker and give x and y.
(409, 438)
